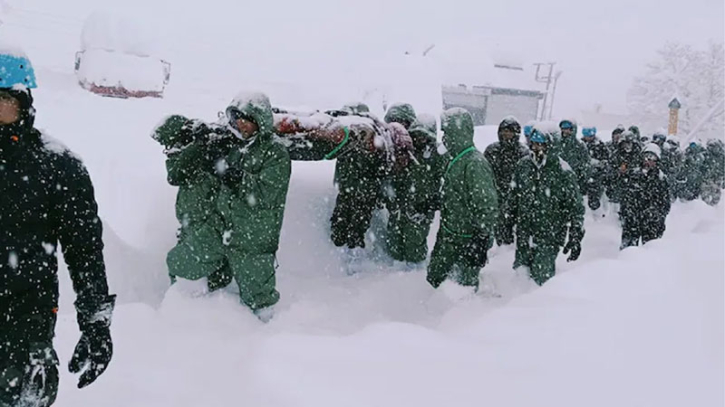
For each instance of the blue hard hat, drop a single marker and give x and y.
(16, 70)
(566, 124)
(589, 131)
(538, 137)
(528, 130)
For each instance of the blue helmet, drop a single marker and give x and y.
(538, 137)
(16, 71)
(589, 131)
(528, 130)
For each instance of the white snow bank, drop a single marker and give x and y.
(638, 327)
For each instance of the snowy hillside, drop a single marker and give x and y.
(642, 327)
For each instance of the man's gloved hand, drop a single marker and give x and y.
(575, 247)
(95, 348)
(475, 253)
(232, 176)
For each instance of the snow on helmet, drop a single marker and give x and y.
(16, 71)
(589, 131)
(538, 137)
(652, 148)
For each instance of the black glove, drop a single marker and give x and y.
(95, 348)
(575, 247)
(475, 253)
(232, 176)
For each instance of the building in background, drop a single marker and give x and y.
(508, 89)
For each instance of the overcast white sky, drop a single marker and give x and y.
(599, 45)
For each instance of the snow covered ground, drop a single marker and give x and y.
(642, 327)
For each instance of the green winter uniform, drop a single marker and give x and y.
(545, 204)
(714, 172)
(469, 204)
(599, 162)
(358, 176)
(693, 172)
(416, 198)
(645, 205)
(239, 212)
(576, 154)
(503, 157)
(671, 165)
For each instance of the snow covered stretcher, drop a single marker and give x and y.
(121, 75)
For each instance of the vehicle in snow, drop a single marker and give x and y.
(118, 58)
(118, 74)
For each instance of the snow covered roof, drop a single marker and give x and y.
(477, 66)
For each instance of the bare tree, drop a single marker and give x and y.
(696, 77)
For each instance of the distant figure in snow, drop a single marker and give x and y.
(614, 142)
(714, 180)
(545, 205)
(645, 200)
(47, 198)
(692, 175)
(624, 162)
(599, 164)
(503, 156)
(469, 210)
(574, 152)
(233, 180)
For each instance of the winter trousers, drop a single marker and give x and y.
(446, 261)
(642, 227)
(351, 216)
(28, 362)
(201, 252)
(540, 260)
(595, 188)
(407, 238)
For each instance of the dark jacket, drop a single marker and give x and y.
(47, 197)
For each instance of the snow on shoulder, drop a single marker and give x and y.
(565, 165)
(427, 120)
(56, 147)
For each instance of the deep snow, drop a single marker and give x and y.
(643, 327)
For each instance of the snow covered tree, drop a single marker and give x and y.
(695, 76)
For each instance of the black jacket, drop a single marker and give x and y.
(46, 198)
